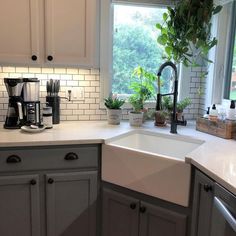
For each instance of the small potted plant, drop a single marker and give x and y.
(113, 105)
(136, 116)
(167, 104)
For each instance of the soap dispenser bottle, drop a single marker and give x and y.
(213, 113)
(231, 115)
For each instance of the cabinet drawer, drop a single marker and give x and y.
(69, 157)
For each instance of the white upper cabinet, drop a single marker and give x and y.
(20, 31)
(71, 27)
(51, 32)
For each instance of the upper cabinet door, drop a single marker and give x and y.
(71, 32)
(20, 31)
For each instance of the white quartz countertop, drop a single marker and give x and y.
(216, 157)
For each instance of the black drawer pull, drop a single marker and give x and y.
(71, 156)
(50, 181)
(13, 159)
(132, 205)
(33, 182)
(34, 58)
(142, 209)
(50, 58)
(207, 187)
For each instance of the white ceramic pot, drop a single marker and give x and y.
(135, 118)
(114, 116)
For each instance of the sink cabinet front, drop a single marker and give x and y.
(124, 215)
(54, 198)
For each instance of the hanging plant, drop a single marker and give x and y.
(186, 31)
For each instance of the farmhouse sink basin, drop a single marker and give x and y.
(150, 163)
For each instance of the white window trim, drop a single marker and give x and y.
(216, 78)
(106, 45)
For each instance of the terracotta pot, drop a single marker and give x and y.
(160, 118)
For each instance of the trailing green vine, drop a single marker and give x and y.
(186, 31)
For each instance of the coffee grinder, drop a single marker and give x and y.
(31, 104)
(14, 118)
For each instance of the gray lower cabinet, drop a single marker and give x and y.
(127, 216)
(158, 221)
(19, 205)
(202, 205)
(49, 191)
(71, 203)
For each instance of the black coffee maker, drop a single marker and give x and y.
(24, 104)
(14, 118)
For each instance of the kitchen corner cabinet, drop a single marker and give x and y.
(49, 191)
(124, 215)
(202, 205)
(49, 32)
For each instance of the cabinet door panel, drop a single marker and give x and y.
(71, 204)
(70, 31)
(120, 215)
(202, 205)
(19, 206)
(19, 24)
(162, 222)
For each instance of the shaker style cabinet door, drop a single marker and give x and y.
(159, 221)
(202, 205)
(20, 31)
(120, 214)
(19, 205)
(71, 203)
(71, 32)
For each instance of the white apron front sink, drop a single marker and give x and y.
(150, 163)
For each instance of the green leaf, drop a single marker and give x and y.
(164, 30)
(217, 9)
(165, 16)
(162, 39)
(158, 26)
(169, 50)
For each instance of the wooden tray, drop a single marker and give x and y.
(224, 129)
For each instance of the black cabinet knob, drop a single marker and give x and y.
(13, 159)
(207, 187)
(50, 181)
(50, 58)
(132, 205)
(142, 209)
(34, 58)
(71, 156)
(33, 182)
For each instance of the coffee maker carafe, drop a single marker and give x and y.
(14, 118)
(31, 102)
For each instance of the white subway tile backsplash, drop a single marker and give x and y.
(22, 69)
(47, 70)
(34, 70)
(72, 71)
(8, 69)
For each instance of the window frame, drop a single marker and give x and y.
(230, 52)
(106, 48)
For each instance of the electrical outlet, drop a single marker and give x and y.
(77, 93)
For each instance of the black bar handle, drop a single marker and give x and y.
(71, 156)
(50, 181)
(13, 159)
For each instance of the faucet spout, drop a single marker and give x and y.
(174, 120)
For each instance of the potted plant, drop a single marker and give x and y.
(113, 105)
(186, 31)
(142, 84)
(136, 116)
(167, 104)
